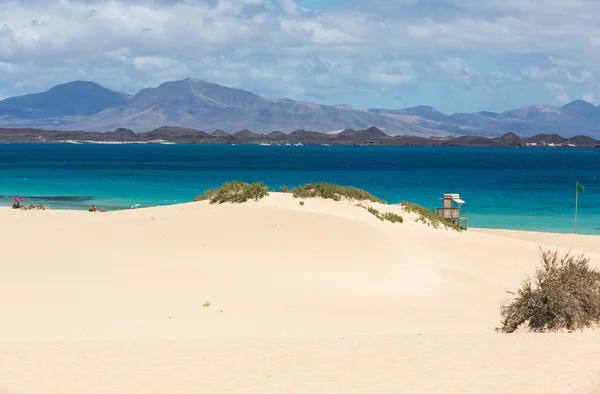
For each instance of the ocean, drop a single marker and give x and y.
(511, 188)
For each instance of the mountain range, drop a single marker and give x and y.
(200, 105)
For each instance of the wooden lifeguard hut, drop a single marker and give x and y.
(451, 210)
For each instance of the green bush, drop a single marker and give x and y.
(206, 195)
(392, 217)
(301, 202)
(375, 212)
(389, 216)
(428, 216)
(284, 189)
(235, 192)
(333, 192)
(564, 294)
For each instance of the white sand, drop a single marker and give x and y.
(320, 298)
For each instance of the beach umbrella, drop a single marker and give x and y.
(134, 206)
(18, 199)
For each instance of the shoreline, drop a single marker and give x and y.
(591, 242)
(299, 144)
(372, 136)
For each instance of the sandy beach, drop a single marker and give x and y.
(273, 297)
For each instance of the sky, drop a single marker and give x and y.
(454, 55)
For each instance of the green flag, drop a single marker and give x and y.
(580, 188)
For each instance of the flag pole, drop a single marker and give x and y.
(576, 204)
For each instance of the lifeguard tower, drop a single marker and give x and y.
(451, 212)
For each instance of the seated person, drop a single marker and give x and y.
(93, 208)
(16, 205)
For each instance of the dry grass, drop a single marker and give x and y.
(389, 216)
(392, 217)
(235, 192)
(333, 192)
(206, 195)
(428, 216)
(564, 294)
(239, 192)
(375, 212)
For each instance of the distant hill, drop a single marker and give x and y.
(200, 105)
(77, 98)
(370, 136)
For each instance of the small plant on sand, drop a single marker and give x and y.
(428, 216)
(235, 192)
(563, 295)
(389, 216)
(301, 202)
(284, 189)
(333, 192)
(392, 217)
(206, 304)
(375, 212)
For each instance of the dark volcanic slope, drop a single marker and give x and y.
(371, 136)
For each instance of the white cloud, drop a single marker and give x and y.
(589, 97)
(149, 63)
(278, 48)
(583, 75)
(535, 72)
(458, 69)
(504, 76)
(559, 92)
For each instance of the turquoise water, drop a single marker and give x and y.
(529, 189)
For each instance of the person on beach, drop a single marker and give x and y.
(93, 208)
(16, 205)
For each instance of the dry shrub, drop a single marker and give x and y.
(564, 294)
(389, 216)
(375, 212)
(206, 195)
(333, 192)
(392, 217)
(235, 192)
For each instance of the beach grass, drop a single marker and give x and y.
(333, 192)
(235, 192)
(239, 192)
(392, 217)
(389, 216)
(428, 216)
(564, 294)
(375, 213)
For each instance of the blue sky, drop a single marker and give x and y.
(455, 55)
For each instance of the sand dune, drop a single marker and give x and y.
(319, 298)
